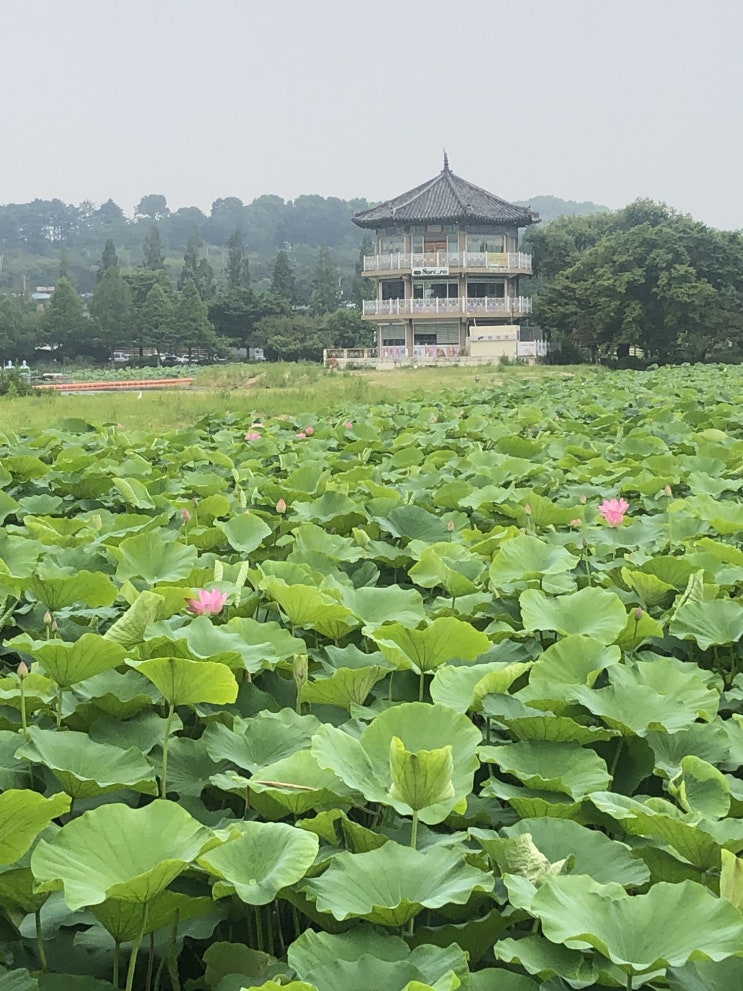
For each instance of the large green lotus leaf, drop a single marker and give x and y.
(266, 738)
(379, 960)
(662, 694)
(391, 885)
(708, 623)
(549, 960)
(700, 788)
(346, 687)
(312, 541)
(23, 815)
(517, 855)
(707, 975)
(120, 695)
(448, 565)
(651, 590)
(445, 639)
(562, 767)
(184, 682)
(133, 492)
(245, 532)
(693, 841)
(58, 591)
(638, 630)
(262, 860)
(144, 731)
(84, 768)
(709, 741)
(68, 663)
(117, 852)
(148, 556)
(462, 687)
(375, 605)
(592, 852)
(128, 630)
(364, 763)
(526, 558)
(295, 784)
(642, 932)
(576, 660)
(494, 979)
(414, 522)
(332, 508)
(310, 607)
(242, 643)
(592, 612)
(548, 727)
(125, 920)
(731, 879)
(36, 692)
(234, 965)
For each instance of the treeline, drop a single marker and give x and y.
(638, 285)
(145, 309)
(32, 236)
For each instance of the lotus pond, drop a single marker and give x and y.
(443, 693)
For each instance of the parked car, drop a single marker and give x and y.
(121, 357)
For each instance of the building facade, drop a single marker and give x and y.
(446, 268)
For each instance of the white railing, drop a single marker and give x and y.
(441, 262)
(500, 306)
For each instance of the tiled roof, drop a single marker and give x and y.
(447, 197)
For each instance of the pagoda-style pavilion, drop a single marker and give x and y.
(446, 269)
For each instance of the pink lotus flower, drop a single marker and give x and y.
(576, 522)
(281, 506)
(209, 603)
(252, 435)
(301, 435)
(185, 515)
(348, 424)
(613, 511)
(309, 431)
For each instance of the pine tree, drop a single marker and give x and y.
(196, 269)
(110, 308)
(63, 322)
(109, 259)
(156, 320)
(153, 249)
(326, 293)
(238, 269)
(190, 322)
(283, 282)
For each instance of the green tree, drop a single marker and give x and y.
(196, 269)
(283, 282)
(153, 207)
(325, 296)
(110, 308)
(191, 326)
(238, 268)
(19, 327)
(156, 326)
(109, 259)
(154, 256)
(64, 325)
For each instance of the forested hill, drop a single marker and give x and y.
(32, 235)
(551, 207)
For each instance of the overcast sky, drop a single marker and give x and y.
(200, 99)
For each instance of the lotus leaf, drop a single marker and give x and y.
(391, 885)
(562, 767)
(701, 788)
(85, 768)
(184, 682)
(422, 778)
(261, 860)
(23, 815)
(245, 533)
(262, 740)
(590, 612)
(424, 650)
(364, 765)
(69, 663)
(346, 687)
(148, 556)
(119, 853)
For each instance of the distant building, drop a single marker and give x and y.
(447, 268)
(42, 296)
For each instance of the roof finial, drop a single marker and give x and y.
(446, 161)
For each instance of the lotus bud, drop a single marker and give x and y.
(450, 526)
(583, 500)
(22, 670)
(309, 431)
(584, 542)
(361, 537)
(348, 424)
(576, 522)
(55, 626)
(300, 670)
(281, 506)
(639, 613)
(47, 618)
(185, 515)
(527, 508)
(667, 491)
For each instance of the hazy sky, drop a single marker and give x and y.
(199, 99)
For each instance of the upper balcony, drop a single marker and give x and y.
(447, 262)
(509, 306)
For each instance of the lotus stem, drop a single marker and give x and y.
(166, 741)
(150, 962)
(59, 706)
(629, 981)
(135, 951)
(615, 759)
(259, 929)
(115, 975)
(40, 942)
(414, 832)
(24, 721)
(421, 686)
